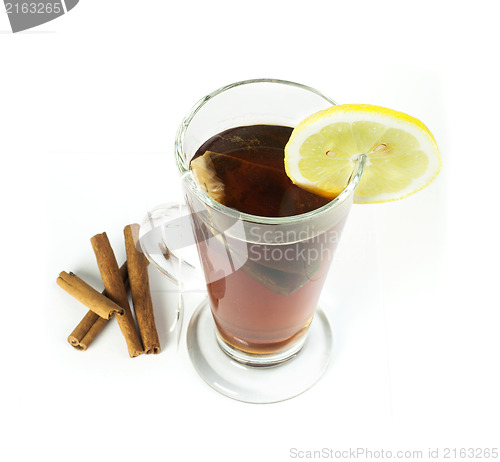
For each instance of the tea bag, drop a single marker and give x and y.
(241, 183)
(206, 177)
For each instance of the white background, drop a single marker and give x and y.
(89, 106)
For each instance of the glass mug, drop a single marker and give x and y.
(255, 340)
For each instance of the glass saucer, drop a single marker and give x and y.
(257, 384)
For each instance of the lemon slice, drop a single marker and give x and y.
(402, 155)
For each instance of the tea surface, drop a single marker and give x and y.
(247, 171)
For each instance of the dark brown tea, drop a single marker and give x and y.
(249, 164)
(266, 305)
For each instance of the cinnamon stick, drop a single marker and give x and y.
(91, 324)
(93, 300)
(116, 291)
(86, 331)
(141, 294)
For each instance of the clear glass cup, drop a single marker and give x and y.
(260, 336)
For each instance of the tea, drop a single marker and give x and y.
(248, 165)
(267, 303)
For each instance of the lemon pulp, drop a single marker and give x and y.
(402, 155)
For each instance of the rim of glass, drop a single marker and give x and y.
(184, 169)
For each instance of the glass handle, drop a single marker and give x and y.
(167, 241)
